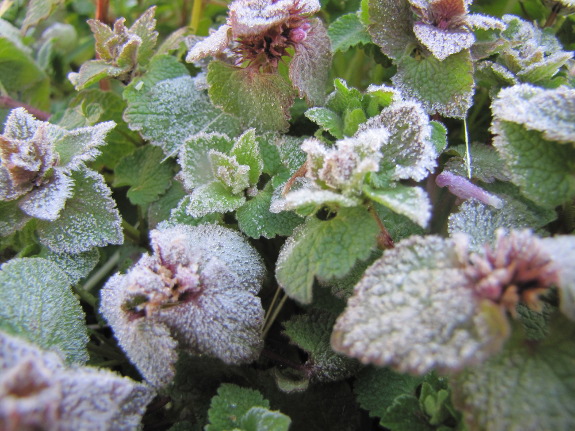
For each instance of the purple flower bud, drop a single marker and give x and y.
(465, 189)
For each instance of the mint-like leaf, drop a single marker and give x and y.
(324, 249)
(37, 10)
(147, 174)
(214, 197)
(76, 266)
(411, 202)
(36, 303)
(259, 418)
(486, 163)
(346, 32)
(391, 26)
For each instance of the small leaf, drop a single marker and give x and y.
(213, 198)
(411, 202)
(36, 303)
(89, 219)
(147, 174)
(260, 100)
(346, 32)
(327, 120)
(259, 418)
(324, 249)
(390, 26)
(38, 10)
(405, 414)
(487, 165)
(247, 152)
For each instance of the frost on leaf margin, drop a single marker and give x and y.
(186, 296)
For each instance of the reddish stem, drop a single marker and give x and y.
(8, 102)
(102, 7)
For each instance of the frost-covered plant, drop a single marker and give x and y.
(37, 391)
(186, 297)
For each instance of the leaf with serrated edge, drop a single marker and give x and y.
(147, 174)
(76, 266)
(411, 202)
(166, 107)
(213, 198)
(36, 303)
(390, 26)
(418, 292)
(259, 418)
(525, 374)
(347, 31)
(89, 219)
(247, 152)
(327, 120)
(324, 249)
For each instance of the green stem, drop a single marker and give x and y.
(275, 313)
(86, 296)
(131, 232)
(196, 16)
(467, 150)
(102, 272)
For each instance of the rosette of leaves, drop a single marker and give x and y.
(429, 40)
(250, 47)
(120, 50)
(526, 53)
(38, 391)
(195, 293)
(535, 137)
(43, 176)
(452, 305)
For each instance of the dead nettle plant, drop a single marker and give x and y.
(310, 215)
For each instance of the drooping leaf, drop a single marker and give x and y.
(147, 174)
(411, 202)
(324, 249)
(346, 32)
(37, 303)
(89, 219)
(167, 107)
(260, 100)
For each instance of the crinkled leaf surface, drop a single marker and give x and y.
(544, 170)
(551, 112)
(11, 217)
(36, 303)
(246, 151)
(76, 266)
(443, 42)
(404, 414)
(391, 26)
(445, 87)
(347, 31)
(147, 174)
(417, 291)
(311, 332)
(259, 418)
(89, 219)
(327, 120)
(526, 374)
(411, 202)
(213, 198)
(324, 249)
(486, 164)
(166, 106)
(81, 145)
(260, 100)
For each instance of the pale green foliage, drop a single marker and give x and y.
(38, 391)
(36, 303)
(76, 266)
(185, 296)
(418, 292)
(38, 10)
(243, 409)
(521, 374)
(411, 202)
(347, 31)
(486, 163)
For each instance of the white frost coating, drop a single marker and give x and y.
(443, 43)
(195, 293)
(409, 151)
(311, 196)
(212, 45)
(562, 251)
(412, 311)
(551, 112)
(37, 391)
(46, 202)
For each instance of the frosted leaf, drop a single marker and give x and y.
(76, 266)
(20, 125)
(465, 189)
(484, 22)
(12, 218)
(417, 292)
(412, 202)
(486, 163)
(309, 68)
(442, 43)
(214, 44)
(246, 151)
(390, 26)
(562, 251)
(186, 296)
(229, 172)
(214, 197)
(36, 303)
(347, 31)
(37, 391)
(311, 197)
(409, 151)
(550, 111)
(89, 219)
(47, 201)
(445, 87)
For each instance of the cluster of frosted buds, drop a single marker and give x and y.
(262, 31)
(516, 269)
(196, 293)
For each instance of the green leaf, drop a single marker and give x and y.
(260, 100)
(36, 303)
(89, 219)
(543, 170)
(256, 220)
(247, 152)
(525, 374)
(311, 332)
(227, 170)
(438, 136)
(259, 419)
(147, 174)
(327, 120)
(352, 118)
(179, 215)
(38, 10)
(411, 202)
(76, 266)
(405, 415)
(343, 97)
(391, 26)
(94, 71)
(347, 31)
(377, 388)
(12, 218)
(230, 404)
(166, 106)
(213, 198)
(160, 210)
(486, 163)
(445, 87)
(324, 249)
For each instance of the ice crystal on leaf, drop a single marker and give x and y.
(37, 159)
(120, 50)
(186, 296)
(37, 391)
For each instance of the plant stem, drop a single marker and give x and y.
(196, 15)
(274, 299)
(102, 272)
(274, 315)
(85, 296)
(131, 232)
(8, 102)
(384, 239)
(467, 150)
